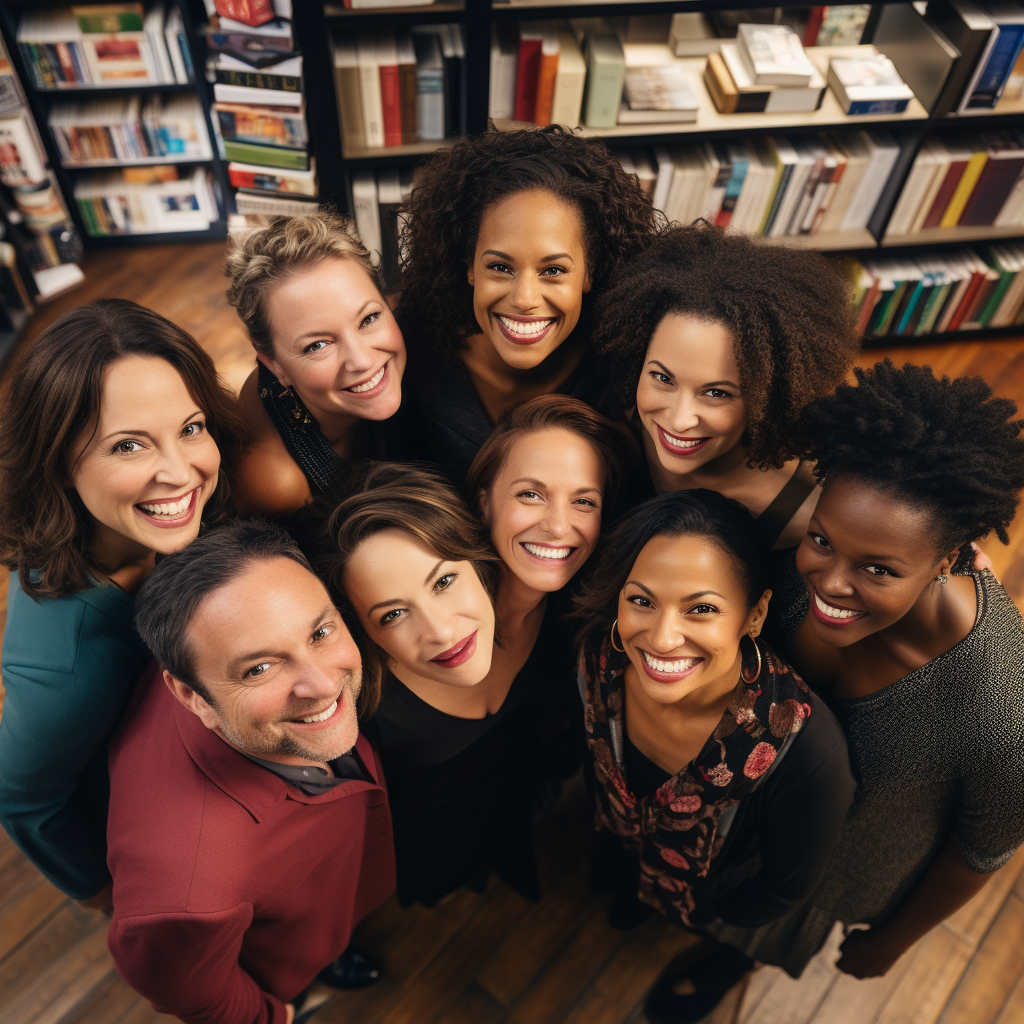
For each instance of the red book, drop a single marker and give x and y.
(528, 71)
(815, 16)
(977, 278)
(249, 12)
(998, 176)
(868, 306)
(550, 51)
(390, 89)
(945, 193)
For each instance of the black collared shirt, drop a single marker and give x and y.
(313, 780)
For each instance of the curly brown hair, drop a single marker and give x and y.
(457, 185)
(788, 311)
(52, 400)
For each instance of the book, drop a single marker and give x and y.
(771, 99)
(370, 89)
(284, 75)
(971, 31)
(773, 55)
(176, 40)
(691, 35)
(274, 205)
(407, 85)
(663, 181)
(659, 89)
(606, 68)
(390, 94)
(1009, 20)
(996, 180)
(271, 37)
(922, 55)
(962, 193)
(268, 179)
(268, 126)
(570, 80)
(868, 85)
(504, 59)
(547, 71)
(841, 24)
(430, 104)
(531, 36)
(883, 151)
(223, 93)
(22, 161)
(270, 156)
(365, 212)
(346, 87)
(249, 12)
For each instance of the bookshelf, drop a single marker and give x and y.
(43, 100)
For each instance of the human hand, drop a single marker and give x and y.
(101, 901)
(981, 560)
(289, 1013)
(864, 954)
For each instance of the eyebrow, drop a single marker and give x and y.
(815, 527)
(540, 483)
(146, 433)
(689, 597)
(709, 384)
(544, 259)
(398, 600)
(235, 664)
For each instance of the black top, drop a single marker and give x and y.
(461, 790)
(774, 851)
(449, 420)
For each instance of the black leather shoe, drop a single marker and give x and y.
(711, 978)
(353, 969)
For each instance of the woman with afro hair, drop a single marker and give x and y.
(508, 239)
(717, 342)
(920, 656)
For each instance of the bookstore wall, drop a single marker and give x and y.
(889, 134)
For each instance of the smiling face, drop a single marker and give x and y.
(866, 559)
(433, 618)
(681, 616)
(147, 469)
(336, 342)
(688, 397)
(544, 508)
(529, 276)
(282, 670)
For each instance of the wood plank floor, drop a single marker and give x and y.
(496, 958)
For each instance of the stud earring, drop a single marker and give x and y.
(943, 579)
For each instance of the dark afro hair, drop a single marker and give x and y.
(458, 184)
(788, 310)
(946, 446)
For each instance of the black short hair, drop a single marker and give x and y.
(787, 309)
(699, 512)
(946, 446)
(169, 598)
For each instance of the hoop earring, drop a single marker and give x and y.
(611, 633)
(745, 673)
(942, 579)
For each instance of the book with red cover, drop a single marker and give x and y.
(390, 92)
(815, 16)
(977, 278)
(248, 12)
(547, 70)
(528, 70)
(407, 85)
(999, 175)
(945, 193)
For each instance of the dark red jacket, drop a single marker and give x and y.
(232, 888)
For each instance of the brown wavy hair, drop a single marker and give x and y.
(458, 184)
(413, 497)
(788, 311)
(613, 443)
(51, 401)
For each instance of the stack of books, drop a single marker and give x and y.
(400, 87)
(970, 180)
(145, 200)
(130, 130)
(112, 45)
(868, 85)
(260, 111)
(775, 187)
(956, 291)
(733, 90)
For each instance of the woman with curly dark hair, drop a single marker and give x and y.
(920, 656)
(509, 238)
(117, 442)
(718, 341)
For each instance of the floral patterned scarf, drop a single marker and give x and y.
(676, 828)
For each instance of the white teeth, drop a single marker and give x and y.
(542, 552)
(832, 611)
(683, 442)
(323, 716)
(168, 509)
(671, 667)
(370, 384)
(526, 330)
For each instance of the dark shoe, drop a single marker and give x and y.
(711, 977)
(626, 911)
(353, 969)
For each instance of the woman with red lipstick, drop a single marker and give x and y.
(117, 442)
(510, 237)
(716, 342)
(920, 657)
(415, 573)
(330, 359)
(714, 764)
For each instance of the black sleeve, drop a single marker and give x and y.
(798, 814)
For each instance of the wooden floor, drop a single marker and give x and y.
(496, 958)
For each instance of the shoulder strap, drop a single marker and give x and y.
(781, 509)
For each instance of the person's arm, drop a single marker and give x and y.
(187, 965)
(943, 889)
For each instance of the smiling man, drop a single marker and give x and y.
(249, 828)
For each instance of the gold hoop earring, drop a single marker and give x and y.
(745, 674)
(942, 579)
(611, 633)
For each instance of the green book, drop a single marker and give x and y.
(268, 156)
(109, 17)
(606, 72)
(1005, 280)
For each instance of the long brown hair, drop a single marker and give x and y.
(415, 498)
(52, 400)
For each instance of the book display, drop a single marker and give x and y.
(123, 116)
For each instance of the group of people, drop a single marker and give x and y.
(595, 492)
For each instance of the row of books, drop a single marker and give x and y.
(377, 201)
(400, 87)
(130, 129)
(145, 200)
(108, 45)
(956, 291)
(776, 186)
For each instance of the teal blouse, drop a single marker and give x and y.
(69, 665)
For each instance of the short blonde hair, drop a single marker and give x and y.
(286, 245)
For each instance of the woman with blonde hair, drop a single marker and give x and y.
(328, 380)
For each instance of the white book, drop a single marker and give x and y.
(811, 150)
(570, 81)
(223, 93)
(685, 161)
(1012, 211)
(369, 89)
(174, 29)
(663, 160)
(741, 211)
(884, 152)
(366, 213)
(715, 193)
(914, 188)
(856, 154)
(773, 55)
(153, 26)
(504, 56)
(942, 159)
(802, 166)
(782, 99)
(979, 68)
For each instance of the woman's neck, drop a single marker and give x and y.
(118, 558)
(516, 601)
(339, 430)
(728, 471)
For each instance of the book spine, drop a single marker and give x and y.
(975, 166)
(967, 301)
(391, 104)
(272, 156)
(260, 80)
(430, 104)
(1000, 63)
(877, 107)
(407, 97)
(945, 193)
(993, 186)
(528, 71)
(545, 88)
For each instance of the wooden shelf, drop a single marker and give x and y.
(410, 150)
(107, 90)
(830, 241)
(142, 161)
(409, 10)
(964, 235)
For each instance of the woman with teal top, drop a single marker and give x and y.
(114, 448)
